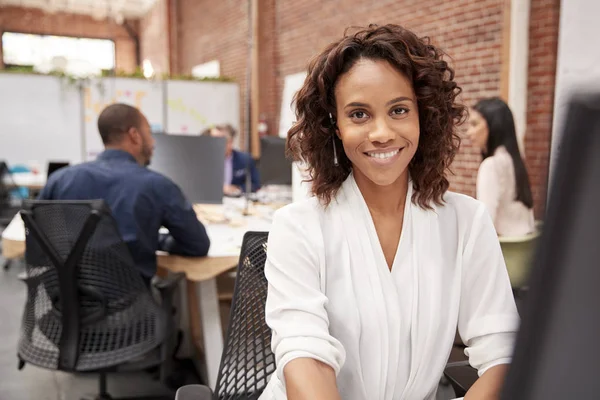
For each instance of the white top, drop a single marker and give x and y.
(387, 335)
(496, 188)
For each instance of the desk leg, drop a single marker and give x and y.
(208, 301)
(187, 349)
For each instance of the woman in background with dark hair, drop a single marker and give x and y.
(502, 181)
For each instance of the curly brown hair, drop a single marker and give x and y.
(309, 140)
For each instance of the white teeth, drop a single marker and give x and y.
(384, 155)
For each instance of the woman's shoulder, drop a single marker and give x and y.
(460, 206)
(498, 161)
(301, 212)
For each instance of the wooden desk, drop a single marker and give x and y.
(29, 180)
(200, 302)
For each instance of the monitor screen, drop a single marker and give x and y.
(54, 166)
(558, 346)
(274, 167)
(195, 163)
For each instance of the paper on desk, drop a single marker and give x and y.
(15, 230)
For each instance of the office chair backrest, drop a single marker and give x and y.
(247, 360)
(518, 256)
(87, 306)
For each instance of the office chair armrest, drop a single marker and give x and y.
(464, 363)
(166, 286)
(194, 392)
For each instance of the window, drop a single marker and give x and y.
(211, 69)
(42, 51)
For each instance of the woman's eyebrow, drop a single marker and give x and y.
(398, 100)
(356, 104)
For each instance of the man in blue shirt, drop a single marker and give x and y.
(141, 200)
(237, 163)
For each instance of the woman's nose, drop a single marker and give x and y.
(381, 133)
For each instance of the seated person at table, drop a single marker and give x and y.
(236, 163)
(141, 200)
(369, 279)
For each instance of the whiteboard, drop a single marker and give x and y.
(147, 96)
(291, 85)
(577, 63)
(192, 107)
(40, 120)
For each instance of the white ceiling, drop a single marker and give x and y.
(99, 9)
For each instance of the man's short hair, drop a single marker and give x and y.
(228, 128)
(117, 119)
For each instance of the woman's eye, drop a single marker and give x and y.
(358, 114)
(399, 111)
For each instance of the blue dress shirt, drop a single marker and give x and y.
(141, 201)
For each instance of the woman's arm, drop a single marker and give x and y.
(489, 385)
(306, 354)
(489, 186)
(488, 318)
(309, 379)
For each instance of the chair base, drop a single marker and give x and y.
(108, 397)
(103, 393)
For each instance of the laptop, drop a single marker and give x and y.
(54, 166)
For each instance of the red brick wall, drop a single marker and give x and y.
(543, 41)
(294, 31)
(471, 33)
(291, 32)
(154, 40)
(214, 30)
(26, 20)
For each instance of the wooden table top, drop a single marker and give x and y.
(226, 236)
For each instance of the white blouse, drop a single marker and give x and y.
(496, 188)
(387, 334)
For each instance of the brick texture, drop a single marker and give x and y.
(543, 42)
(154, 40)
(214, 30)
(293, 31)
(26, 20)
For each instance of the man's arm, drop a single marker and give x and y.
(187, 236)
(47, 190)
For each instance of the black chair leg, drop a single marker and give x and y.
(102, 391)
(6, 264)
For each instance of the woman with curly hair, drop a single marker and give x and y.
(370, 278)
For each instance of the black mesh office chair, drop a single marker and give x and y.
(87, 307)
(247, 361)
(7, 211)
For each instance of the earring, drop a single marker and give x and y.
(335, 157)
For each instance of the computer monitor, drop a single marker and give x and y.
(54, 166)
(274, 167)
(195, 163)
(558, 347)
